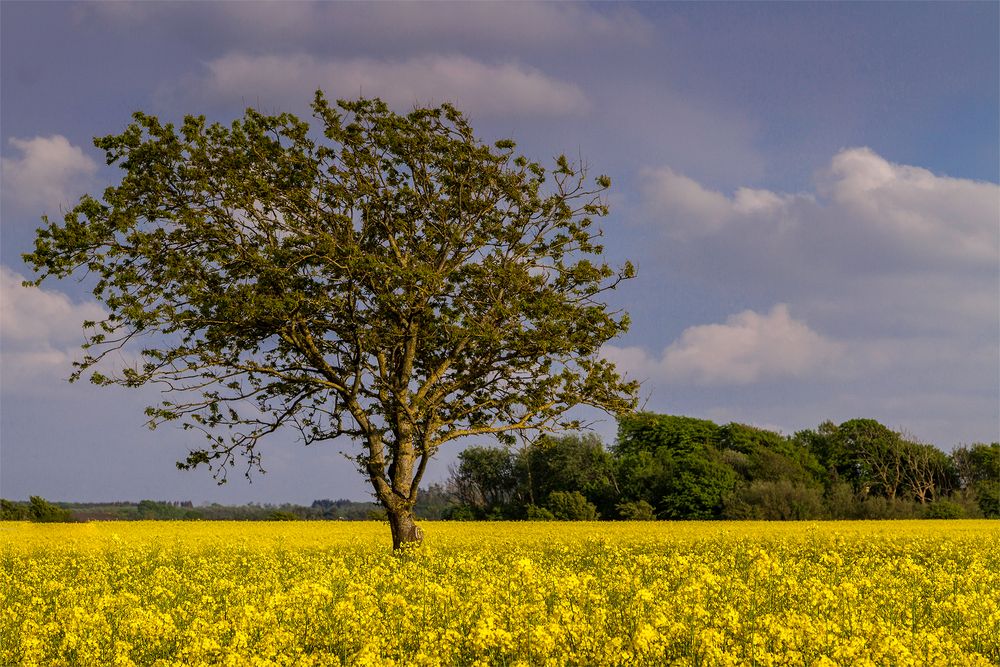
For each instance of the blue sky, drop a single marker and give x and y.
(810, 192)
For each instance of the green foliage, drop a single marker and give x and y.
(674, 464)
(571, 506)
(768, 455)
(945, 509)
(484, 480)
(434, 502)
(158, 510)
(988, 498)
(696, 485)
(775, 500)
(977, 471)
(13, 511)
(568, 463)
(647, 431)
(460, 513)
(536, 513)
(389, 278)
(42, 511)
(867, 449)
(636, 510)
(986, 459)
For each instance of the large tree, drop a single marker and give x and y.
(391, 278)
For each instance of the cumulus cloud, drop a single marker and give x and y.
(40, 332)
(476, 87)
(690, 210)
(863, 203)
(47, 173)
(877, 249)
(749, 347)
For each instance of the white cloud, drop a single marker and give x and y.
(933, 217)
(749, 347)
(878, 250)
(40, 332)
(693, 209)
(476, 87)
(864, 204)
(49, 173)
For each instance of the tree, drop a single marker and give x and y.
(673, 463)
(978, 471)
(396, 281)
(647, 431)
(571, 506)
(869, 455)
(42, 511)
(484, 479)
(768, 456)
(636, 510)
(928, 471)
(13, 511)
(827, 448)
(568, 463)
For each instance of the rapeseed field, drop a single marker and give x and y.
(158, 593)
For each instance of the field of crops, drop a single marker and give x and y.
(897, 593)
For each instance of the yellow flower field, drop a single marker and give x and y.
(893, 593)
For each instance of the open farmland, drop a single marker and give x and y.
(154, 593)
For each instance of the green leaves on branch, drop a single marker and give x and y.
(385, 277)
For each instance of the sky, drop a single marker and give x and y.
(809, 191)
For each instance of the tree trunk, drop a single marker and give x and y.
(404, 528)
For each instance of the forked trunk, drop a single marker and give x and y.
(404, 528)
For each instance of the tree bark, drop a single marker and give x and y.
(405, 531)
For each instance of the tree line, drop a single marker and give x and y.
(660, 467)
(675, 467)
(40, 510)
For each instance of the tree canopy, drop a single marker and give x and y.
(674, 467)
(394, 280)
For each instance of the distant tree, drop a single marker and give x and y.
(945, 509)
(536, 513)
(872, 457)
(159, 510)
(42, 511)
(484, 478)
(434, 502)
(647, 431)
(775, 500)
(12, 511)
(342, 509)
(978, 471)
(768, 456)
(395, 280)
(978, 463)
(636, 510)
(638, 474)
(927, 471)
(571, 506)
(698, 484)
(569, 463)
(674, 464)
(827, 449)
